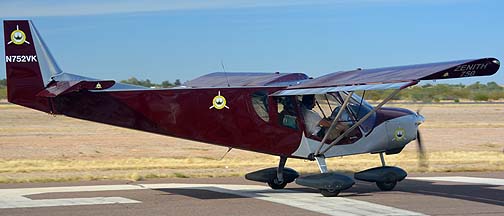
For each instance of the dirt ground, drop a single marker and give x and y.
(28, 134)
(461, 127)
(31, 135)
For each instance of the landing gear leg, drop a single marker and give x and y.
(322, 164)
(390, 181)
(278, 182)
(382, 158)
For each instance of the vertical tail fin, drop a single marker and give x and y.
(29, 65)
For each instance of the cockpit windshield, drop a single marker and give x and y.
(320, 111)
(358, 108)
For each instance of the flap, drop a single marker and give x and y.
(324, 90)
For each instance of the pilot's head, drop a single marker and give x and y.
(308, 101)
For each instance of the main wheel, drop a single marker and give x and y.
(329, 193)
(386, 186)
(275, 185)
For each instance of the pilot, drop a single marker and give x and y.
(314, 123)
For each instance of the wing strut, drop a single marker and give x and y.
(321, 152)
(334, 122)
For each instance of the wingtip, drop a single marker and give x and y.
(496, 61)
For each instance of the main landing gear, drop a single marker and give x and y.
(275, 177)
(329, 184)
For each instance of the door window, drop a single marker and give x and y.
(260, 104)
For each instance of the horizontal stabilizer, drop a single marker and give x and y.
(64, 87)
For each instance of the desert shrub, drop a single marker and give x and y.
(480, 97)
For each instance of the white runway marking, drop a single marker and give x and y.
(310, 201)
(472, 180)
(15, 198)
(29, 203)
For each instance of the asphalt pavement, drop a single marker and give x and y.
(419, 194)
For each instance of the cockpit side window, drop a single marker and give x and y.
(287, 114)
(260, 104)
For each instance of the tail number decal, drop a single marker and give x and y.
(21, 58)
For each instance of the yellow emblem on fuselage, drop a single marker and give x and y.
(399, 134)
(219, 102)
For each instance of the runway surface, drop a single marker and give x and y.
(431, 194)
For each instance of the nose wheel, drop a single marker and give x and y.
(385, 177)
(389, 184)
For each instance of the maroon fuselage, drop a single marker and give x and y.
(186, 113)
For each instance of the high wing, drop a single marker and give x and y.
(393, 77)
(240, 79)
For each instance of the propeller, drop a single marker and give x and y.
(422, 155)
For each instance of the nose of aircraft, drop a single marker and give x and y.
(402, 126)
(405, 118)
(388, 113)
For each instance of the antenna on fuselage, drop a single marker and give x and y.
(229, 149)
(225, 73)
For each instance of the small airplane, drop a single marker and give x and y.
(289, 115)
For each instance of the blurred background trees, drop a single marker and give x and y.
(427, 93)
(149, 84)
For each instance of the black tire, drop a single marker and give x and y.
(386, 186)
(277, 186)
(329, 193)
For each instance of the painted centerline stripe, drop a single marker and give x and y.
(16, 198)
(462, 179)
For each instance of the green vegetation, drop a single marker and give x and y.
(436, 93)
(3, 93)
(427, 93)
(148, 83)
(3, 89)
